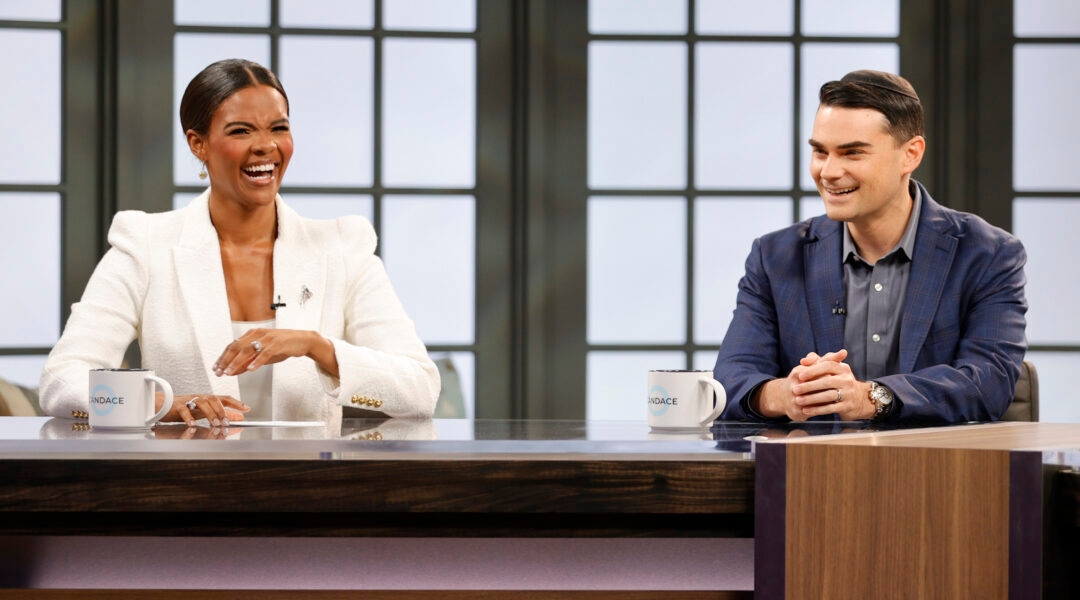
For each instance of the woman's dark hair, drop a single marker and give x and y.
(889, 94)
(214, 84)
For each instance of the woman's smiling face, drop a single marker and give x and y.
(247, 147)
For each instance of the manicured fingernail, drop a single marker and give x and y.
(224, 422)
(251, 367)
(217, 422)
(217, 372)
(191, 424)
(228, 371)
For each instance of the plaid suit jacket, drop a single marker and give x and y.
(961, 335)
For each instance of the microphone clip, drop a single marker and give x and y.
(839, 310)
(278, 304)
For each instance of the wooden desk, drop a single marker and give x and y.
(524, 495)
(954, 512)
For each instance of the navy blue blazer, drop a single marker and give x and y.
(961, 334)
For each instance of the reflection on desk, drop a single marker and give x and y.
(351, 429)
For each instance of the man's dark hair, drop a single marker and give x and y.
(889, 94)
(214, 84)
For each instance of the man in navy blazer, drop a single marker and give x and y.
(892, 307)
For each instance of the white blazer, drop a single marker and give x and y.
(162, 281)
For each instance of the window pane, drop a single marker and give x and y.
(851, 17)
(636, 271)
(738, 17)
(194, 52)
(1050, 18)
(705, 359)
(22, 370)
(811, 206)
(330, 206)
(254, 13)
(1057, 385)
(30, 106)
(359, 14)
(827, 62)
(617, 383)
(464, 364)
(429, 113)
(430, 15)
(637, 115)
(330, 87)
(429, 245)
(1045, 121)
(743, 139)
(38, 10)
(30, 269)
(637, 16)
(1048, 229)
(182, 199)
(724, 230)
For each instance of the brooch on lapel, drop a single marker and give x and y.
(305, 294)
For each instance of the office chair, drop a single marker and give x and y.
(1025, 403)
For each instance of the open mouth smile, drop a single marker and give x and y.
(260, 173)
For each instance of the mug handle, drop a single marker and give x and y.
(721, 400)
(167, 404)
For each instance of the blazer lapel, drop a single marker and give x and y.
(934, 253)
(825, 284)
(299, 274)
(202, 284)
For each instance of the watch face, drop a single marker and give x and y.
(881, 394)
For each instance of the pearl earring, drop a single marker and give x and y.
(202, 173)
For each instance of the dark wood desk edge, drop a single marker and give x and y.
(437, 497)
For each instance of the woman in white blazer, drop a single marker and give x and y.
(246, 308)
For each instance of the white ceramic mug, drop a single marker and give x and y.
(684, 399)
(124, 398)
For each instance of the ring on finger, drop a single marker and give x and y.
(839, 395)
(257, 345)
(190, 404)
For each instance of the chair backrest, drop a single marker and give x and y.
(1025, 404)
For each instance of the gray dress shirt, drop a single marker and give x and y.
(875, 302)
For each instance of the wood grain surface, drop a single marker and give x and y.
(896, 522)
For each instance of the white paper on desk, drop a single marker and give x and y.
(276, 424)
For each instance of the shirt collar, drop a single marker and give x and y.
(907, 241)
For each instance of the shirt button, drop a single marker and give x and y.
(877, 288)
(876, 337)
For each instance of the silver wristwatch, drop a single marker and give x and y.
(882, 397)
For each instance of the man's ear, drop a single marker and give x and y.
(914, 149)
(196, 144)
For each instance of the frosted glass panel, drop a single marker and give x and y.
(430, 15)
(1057, 385)
(743, 139)
(822, 63)
(1050, 18)
(330, 206)
(330, 85)
(182, 199)
(636, 290)
(30, 106)
(38, 10)
(705, 359)
(851, 17)
(30, 269)
(637, 115)
(22, 370)
(617, 383)
(253, 13)
(193, 53)
(359, 14)
(465, 365)
(738, 17)
(1045, 121)
(429, 113)
(1047, 227)
(724, 230)
(429, 245)
(811, 206)
(637, 16)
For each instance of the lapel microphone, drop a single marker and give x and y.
(278, 304)
(837, 310)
